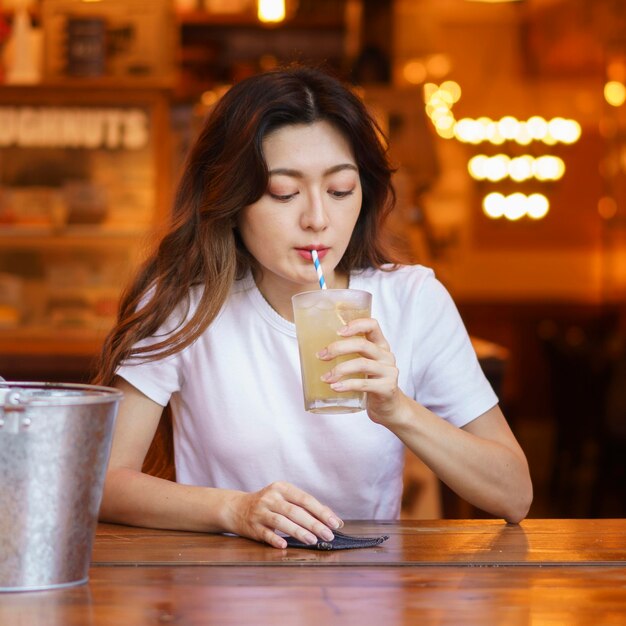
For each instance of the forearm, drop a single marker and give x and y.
(482, 462)
(131, 497)
(490, 471)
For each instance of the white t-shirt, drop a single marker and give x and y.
(237, 405)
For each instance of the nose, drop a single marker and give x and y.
(314, 215)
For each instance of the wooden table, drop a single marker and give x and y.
(459, 572)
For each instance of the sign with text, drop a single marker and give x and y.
(74, 127)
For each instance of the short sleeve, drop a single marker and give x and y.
(160, 378)
(156, 379)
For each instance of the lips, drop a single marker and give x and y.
(305, 253)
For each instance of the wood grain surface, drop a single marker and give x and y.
(457, 572)
(437, 542)
(329, 596)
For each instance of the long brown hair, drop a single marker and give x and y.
(225, 171)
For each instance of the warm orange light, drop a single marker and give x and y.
(271, 10)
(516, 206)
(615, 93)
(429, 91)
(414, 72)
(616, 70)
(521, 168)
(548, 167)
(537, 206)
(438, 65)
(453, 88)
(209, 98)
(439, 102)
(607, 208)
(493, 205)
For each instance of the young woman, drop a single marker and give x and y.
(288, 162)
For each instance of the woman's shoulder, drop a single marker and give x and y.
(392, 278)
(408, 288)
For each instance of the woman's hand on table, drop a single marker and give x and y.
(280, 508)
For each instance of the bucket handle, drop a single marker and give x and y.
(12, 418)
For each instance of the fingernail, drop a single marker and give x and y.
(322, 353)
(326, 534)
(343, 330)
(325, 376)
(337, 386)
(333, 522)
(310, 539)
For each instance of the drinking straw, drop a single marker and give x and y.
(318, 269)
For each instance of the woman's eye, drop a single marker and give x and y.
(283, 197)
(341, 194)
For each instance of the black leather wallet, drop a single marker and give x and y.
(340, 542)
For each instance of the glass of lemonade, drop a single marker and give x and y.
(318, 316)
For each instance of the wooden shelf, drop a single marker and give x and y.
(53, 339)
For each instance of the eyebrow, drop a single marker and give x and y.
(285, 171)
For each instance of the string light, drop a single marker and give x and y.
(550, 132)
(439, 100)
(519, 169)
(515, 206)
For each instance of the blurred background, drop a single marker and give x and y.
(507, 125)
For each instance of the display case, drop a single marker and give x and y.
(84, 181)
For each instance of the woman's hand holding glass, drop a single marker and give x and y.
(376, 361)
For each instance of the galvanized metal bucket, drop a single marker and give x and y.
(55, 441)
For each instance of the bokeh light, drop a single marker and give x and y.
(615, 93)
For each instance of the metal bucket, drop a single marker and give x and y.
(55, 441)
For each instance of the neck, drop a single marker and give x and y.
(280, 299)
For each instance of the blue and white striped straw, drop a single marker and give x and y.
(318, 269)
